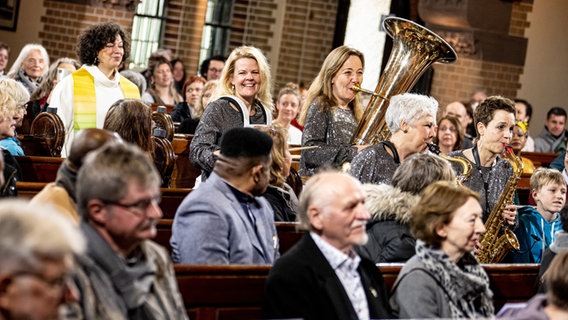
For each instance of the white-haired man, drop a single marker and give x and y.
(322, 277)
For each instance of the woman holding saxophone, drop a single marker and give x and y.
(494, 121)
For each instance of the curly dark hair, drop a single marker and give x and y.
(95, 38)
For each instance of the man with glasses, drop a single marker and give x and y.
(123, 275)
(211, 68)
(36, 254)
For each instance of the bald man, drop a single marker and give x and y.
(459, 110)
(322, 277)
(61, 193)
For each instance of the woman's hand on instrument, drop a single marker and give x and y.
(510, 214)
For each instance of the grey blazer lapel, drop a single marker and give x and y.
(243, 216)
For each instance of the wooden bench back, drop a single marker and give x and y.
(237, 292)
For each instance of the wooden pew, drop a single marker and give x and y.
(39, 169)
(185, 172)
(540, 159)
(237, 292)
(171, 197)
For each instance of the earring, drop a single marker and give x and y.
(96, 62)
(233, 88)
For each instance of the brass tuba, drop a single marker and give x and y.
(415, 48)
(498, 238)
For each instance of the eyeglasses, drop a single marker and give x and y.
(215, 70)
(56, 285)
(139, 207)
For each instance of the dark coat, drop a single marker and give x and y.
(390, 239)
(181, 112)
(302, 284)
(12, 174)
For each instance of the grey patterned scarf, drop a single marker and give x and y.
(132, 279)
(466, 284)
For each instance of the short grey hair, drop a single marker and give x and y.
(30, 233)
(409, 107)
(107, 171)
(419, 170)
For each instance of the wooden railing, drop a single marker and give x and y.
(237, 292)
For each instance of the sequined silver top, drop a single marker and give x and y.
(331, 130)
(374, 165)
(488, 181)
(218, 118)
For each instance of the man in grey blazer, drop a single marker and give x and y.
(225, 221)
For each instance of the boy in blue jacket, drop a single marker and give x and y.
(538, 225)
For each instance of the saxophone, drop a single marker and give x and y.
(498, 238)
(466, 166)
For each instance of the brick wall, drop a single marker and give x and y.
(307, 37)
(183, 30)
(63, 22)
(299, 44)
(295, 35)
(459, 80)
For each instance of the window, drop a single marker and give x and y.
(146, 31)
(215, 39)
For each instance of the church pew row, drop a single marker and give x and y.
(237, 292)
(44, 169)
(171, 197)
(540, 159)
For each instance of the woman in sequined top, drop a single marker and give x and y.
(242, 98)
(412, 120)
(332, 111)
(494, 121)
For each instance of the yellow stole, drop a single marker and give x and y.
(84, 98)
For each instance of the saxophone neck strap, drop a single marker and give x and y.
(392, 148)
(476, 158)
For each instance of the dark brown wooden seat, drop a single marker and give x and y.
(237, 292)
(185, 172)
(164, 121)
(540, 159)
(46, 136)
(164, 159)
(171, 197)
(39, 168)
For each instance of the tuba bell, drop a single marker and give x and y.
(415, 48)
